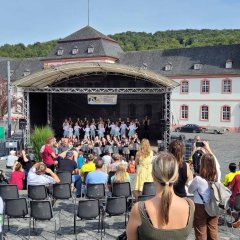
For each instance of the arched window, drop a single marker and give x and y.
(204, 113)
(226, 113)
(168, 67)
(75, 50)
(228, 64)
(60, 51)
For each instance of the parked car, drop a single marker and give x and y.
(216, 130)
(177, 136)
(194, 128)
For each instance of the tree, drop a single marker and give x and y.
(15, 101)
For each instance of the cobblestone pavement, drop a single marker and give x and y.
(227, 149)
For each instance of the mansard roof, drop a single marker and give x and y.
(19, 66)
(82, 40)
(212, 58)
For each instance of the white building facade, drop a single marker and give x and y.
(209, 101)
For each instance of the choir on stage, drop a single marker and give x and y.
(105, 136)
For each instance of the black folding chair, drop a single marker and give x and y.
(38, 192)
(115, 206)
(123, 190)
(96, 191)
(62, 191)
(41, 211)
(142, 198)
(65, 176)
(15, 208)
(87, 210)
(149, 188)
(9, 191)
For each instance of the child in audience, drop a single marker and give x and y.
(230, 176)
(121, 174)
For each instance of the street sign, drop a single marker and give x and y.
(2, 133)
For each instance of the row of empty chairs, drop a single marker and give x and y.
(95, 206)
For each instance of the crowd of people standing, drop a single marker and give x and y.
(169, 214)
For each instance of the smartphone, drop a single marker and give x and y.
(199, 144)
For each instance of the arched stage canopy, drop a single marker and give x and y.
(46, 81)
(49, 76)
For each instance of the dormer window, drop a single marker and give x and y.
(75, 50)
(26, 72)
(90, 49)
(144, 66)
(229, 64)
(60, 52)
(197, 66)
(168, 67)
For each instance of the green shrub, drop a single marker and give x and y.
(38, 139)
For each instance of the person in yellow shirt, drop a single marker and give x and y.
(230, 176)
(89, 166)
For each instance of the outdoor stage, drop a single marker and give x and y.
(53, 94)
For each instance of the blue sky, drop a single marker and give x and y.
(29, 21)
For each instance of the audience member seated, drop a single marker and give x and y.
(121, 174)
(97, 176)
(48, 154)
(38, 175)
(230, 176)
(89, 166)
(69, 165)
(3, 177)
(112, 168)
(165, 216)
(107, 158)
(80, 160)
(131, 165)
(17, 176)
(11, 158)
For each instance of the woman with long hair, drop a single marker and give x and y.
(144, 166)
(205, 227)
(121, 174)
(165, 216)
(176, 147)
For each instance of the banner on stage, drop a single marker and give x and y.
(102, 99)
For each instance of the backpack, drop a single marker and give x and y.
(131, 168)
(196, 160)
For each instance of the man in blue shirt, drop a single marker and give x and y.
(97, 176)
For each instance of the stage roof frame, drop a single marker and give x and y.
(51, 75)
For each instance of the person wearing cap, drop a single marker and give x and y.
(67, 164)
(11, 158)
(230, 176)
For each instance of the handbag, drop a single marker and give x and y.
(211, 207)
(123, 236)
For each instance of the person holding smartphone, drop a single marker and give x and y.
(203, 150)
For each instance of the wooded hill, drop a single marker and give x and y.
(135, 41)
